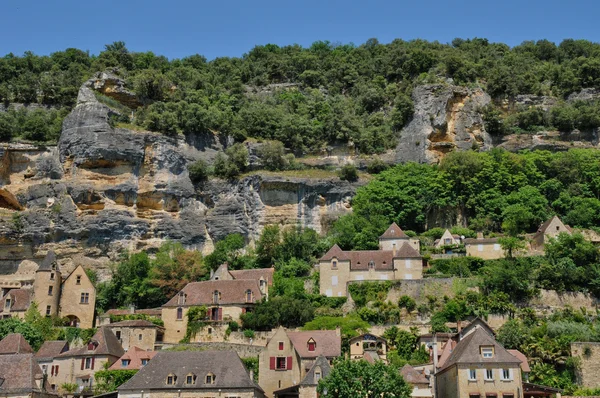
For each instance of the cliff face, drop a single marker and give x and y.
(104, 189)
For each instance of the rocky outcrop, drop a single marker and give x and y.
(446, 119)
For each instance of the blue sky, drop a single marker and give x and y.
(177, 28)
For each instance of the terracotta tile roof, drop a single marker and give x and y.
(135, 323)
(446, 352)
(19, 373)
(413, 376)
(323, 364)
(393, 231)
(15, 343)
(467, 351)
(20, 299)
(254, 274)
(329, 344)
(149, 312)
(135, 356)
(227, 367)
(108, 344)
(521, 357)
(232, 292)
(51, 349)
(359, 259)
(46, 264)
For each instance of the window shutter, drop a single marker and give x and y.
(288, 362)
(82, 363)
(272, 363)
(52, 371)
(56, 371)
(93, 363)
(220, 314)
(510, 374)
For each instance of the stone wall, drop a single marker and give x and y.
(550, 299)
(243, 350)
(588, 369)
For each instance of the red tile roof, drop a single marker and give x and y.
(393, 231)
(413, 376)
(135, 356)
(134, 323)
(19, 374)
(254, 274)
(520, 356)
(108, 344)
(383, 259)
(15, 343)
(21, 299)
(328, 343)
(149, 312)
(232, 292)
(51, 349)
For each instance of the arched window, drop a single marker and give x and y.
(179, 313)
(210, 378)
(248, 296)
(216, 297)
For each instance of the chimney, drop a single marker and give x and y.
(394, 249)
(338, 331)
(435, 353)
(479, 235)
(132, 309)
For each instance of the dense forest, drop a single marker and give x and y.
(334, 93)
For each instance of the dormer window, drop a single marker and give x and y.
(248, 296)
(181, 298)
(210, 379)
(487, 352)
(371, 264)
(78, 280)
(190, 379)
(53, 267)
(333, 263)
(144, 362)
(7, 304)
(312, 345)
(125, 363)
(216, 297)
(92, 345)
(171, 379)
(262, 284)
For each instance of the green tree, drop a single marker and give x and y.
(227, 250)
(511, 245)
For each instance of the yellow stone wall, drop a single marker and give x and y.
(272, 380)
(130, 337)
(41, 285)
(70, 298)
(486, 251)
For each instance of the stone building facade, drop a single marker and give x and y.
(78, 299)
(485, 248)
(137, 333)
(398, 258)
(588, 368)
(549, 230)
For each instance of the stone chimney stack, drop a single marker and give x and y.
(479, 235)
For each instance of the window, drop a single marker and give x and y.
(489, 374)
(447, 241)
(333, 263)
(190, 379)
(88, 363)
(248, 296)
(262, 285)
(216, 297)
(210, 379)
(312, 345)
(281, 346)
(171, 379)
(50, 289)
(280, 364)
(7, 304)
(140, 337)
(181, 298)
(408, 263)
(334, 280)
(558, 228)
(118, 334)
(48, 310)
(179, 313)
(472, 374)
(85, 298)
(51, 276)
(144, 362)
(125, 363)
(506, 374)
(78, 280)
(479, 248)
(209, 330)
(508, 395)
(317, 374)
(371, 264)
(487, 352)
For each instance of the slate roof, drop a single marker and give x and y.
(413, 376)
(393, 231)
(467, 351)
(134, 323)
(383, 259)
(232, 292)
(227, 367)
(309, 379)
(21, 299)
(329, 344)
(135, 356)
(108, 344)
(254, 274)
(14, 343)
(19, 373)
(51, 349)
(46, 264)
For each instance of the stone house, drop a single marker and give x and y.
(22, 377)
(485, 248)
(224, 300)
(418, 382)
(368, 347)
(308, 386)
(548, 230)
(46, 354)
(73, 298)
(479, 366)
(188, 374)
(447, 239)
(289, 356)
(397, 258)
(140, 333)
(264, 276)
(134, 359)
(588, 369)
(78, 365)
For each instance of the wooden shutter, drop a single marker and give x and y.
(272, 363)
(220, 314)
(82, 363)
(93, 363)
(56, 371)
(52, 371)
(288, 362)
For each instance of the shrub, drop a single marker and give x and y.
(249, 333)
(377, 166)
(407, 302)
(198, 171)
(233, 326)
(272, 155)
(349, 173)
